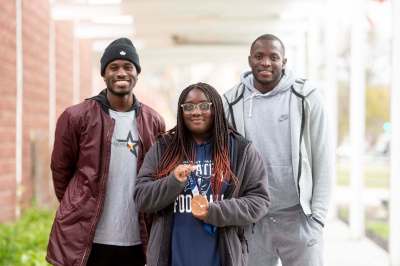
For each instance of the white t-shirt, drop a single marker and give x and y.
(118, 224)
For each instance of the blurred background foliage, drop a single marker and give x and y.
(377, 111)
(24, 242)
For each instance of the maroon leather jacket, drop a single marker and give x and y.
(79, 164)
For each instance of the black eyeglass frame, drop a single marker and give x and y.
(193, 106)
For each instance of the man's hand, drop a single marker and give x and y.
(182, 171)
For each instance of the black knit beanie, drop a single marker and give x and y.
(121, 48)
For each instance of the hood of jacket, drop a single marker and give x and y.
(284, 84)
(105, 104)
(301, 87)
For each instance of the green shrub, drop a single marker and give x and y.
(379, 228)
(24, 243)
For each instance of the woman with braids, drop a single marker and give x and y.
(204, 184)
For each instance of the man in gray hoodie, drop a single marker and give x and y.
(285, 119)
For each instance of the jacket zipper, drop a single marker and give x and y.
(102, 191)
(300, 141)
(299, 169)
(231, 104)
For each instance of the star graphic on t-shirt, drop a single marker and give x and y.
(130, 143)
(132, 147)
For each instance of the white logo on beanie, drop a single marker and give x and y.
(122, 53)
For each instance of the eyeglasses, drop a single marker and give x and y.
(202, 107)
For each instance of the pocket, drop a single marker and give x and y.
(235, 245)
(314, 224)
(73, 197)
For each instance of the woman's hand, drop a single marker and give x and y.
(182, 171)
(200, 207)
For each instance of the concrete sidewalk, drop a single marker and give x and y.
(341, 250)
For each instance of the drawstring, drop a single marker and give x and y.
(251, 105)
(251, 96)
(255, 94)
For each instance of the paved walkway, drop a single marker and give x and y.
(341, 250)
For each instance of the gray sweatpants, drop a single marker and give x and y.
(291, 236)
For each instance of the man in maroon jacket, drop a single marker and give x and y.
(98, 150)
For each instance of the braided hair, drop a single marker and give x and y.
(180, 145)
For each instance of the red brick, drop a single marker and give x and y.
(7, 150)
(7, 183)
(35, 116)
(7, 205)
(7, 134)
(7, 121)
(7, 213)
(7, 166)
(64, 65)
(7, 107)
(35, 34)
(85, 54)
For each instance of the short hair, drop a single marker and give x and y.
(269, 37)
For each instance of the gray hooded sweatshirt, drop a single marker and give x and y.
(273, 141)
(308, 137)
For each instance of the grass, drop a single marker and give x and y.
(343, 214)
(24, 243)
(380, 228)
(375, 175)
(376, 229)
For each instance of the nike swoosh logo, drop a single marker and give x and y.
(283, 118)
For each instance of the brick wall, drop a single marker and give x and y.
(64, 65)
(7, 110)
(85, 53)
(36, 181)
(35, 43)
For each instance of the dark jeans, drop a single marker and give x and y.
(108, 255)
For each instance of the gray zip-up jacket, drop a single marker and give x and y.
(243, 204)
(311, 144)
